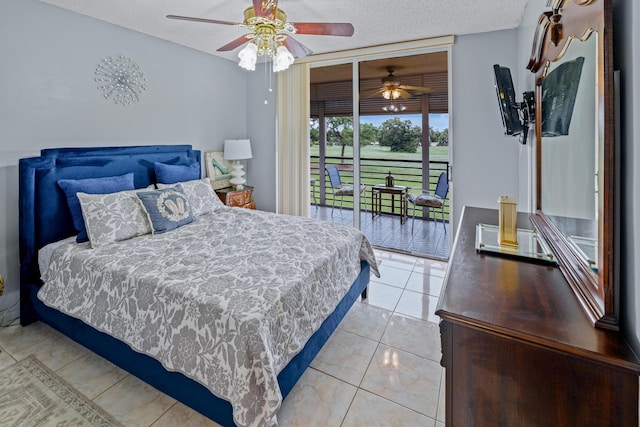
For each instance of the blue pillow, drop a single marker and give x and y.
(168, 208)
(171, 174)
(106, 185)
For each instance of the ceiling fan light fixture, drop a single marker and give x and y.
(394, 108)
(282, 59)
(269, 31)
(248, 57)
(391, 93)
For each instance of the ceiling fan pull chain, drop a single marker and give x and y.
(267, 71)
(270, 74)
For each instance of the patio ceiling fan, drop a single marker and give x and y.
(392, 89)
(270, 34)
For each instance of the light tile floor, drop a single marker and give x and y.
(380, 367)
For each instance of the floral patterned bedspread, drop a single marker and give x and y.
(228, 300)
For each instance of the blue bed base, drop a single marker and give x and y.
(44, 218)
(43, 211)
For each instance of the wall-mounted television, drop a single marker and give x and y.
(559, 90)
(516, 116)
(507, 101)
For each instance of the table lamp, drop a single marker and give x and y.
(235, 150)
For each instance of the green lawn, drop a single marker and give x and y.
(380, 152)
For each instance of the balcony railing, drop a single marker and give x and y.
(373, 172)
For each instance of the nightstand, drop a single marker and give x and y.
(237, 198)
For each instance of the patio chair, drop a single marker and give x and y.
(340, 189)
(431, 201)
(312, 185)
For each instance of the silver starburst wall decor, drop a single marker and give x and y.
(120, 79)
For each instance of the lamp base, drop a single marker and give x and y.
(237, 180)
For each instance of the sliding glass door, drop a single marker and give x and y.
(379, 144)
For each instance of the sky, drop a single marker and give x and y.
(436, 121)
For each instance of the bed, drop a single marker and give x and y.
(300, 290)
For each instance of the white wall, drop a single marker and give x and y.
(485, 161)
(627, 59)
(49, 99)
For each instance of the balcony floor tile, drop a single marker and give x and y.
(429, 238)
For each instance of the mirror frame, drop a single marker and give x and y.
(566, 22)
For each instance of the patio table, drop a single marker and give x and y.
(376, 200)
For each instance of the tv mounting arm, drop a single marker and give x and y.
(527, 112)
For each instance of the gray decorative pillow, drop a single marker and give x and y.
(113, 217)
(200, 194)
(109, 184)
(167, 208)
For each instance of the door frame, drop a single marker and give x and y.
(354, 57)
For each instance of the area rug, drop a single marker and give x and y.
(32, 395)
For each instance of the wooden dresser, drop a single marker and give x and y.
(237, 198)
(519, 351)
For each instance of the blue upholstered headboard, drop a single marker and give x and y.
(44, 215)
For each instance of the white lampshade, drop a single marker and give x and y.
(282, 59)
(237, 149)
(248, 57)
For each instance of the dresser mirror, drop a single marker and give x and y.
(569, 148)
(572, 60)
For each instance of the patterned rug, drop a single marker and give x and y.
(31, 395)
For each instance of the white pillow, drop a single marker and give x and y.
(113, 217)
(202, 198)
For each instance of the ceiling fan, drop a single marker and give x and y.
(392, 89)
(270, 34)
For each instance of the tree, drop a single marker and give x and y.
(400, 135)
(340, 131)
(368, 133)
(314, 131)
(440, 138)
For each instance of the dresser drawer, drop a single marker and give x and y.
(240, 198)
(237, 198)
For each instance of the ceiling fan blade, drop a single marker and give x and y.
(265, 8)
(257, 8)
(370, 90)
(208, 21)
(324, 28)
(416, 88)
(376, 93)
(404, 94)
(296, 48)
(235, 43)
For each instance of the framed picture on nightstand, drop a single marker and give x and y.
(218, 169)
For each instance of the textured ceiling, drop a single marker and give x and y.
(376, 22)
